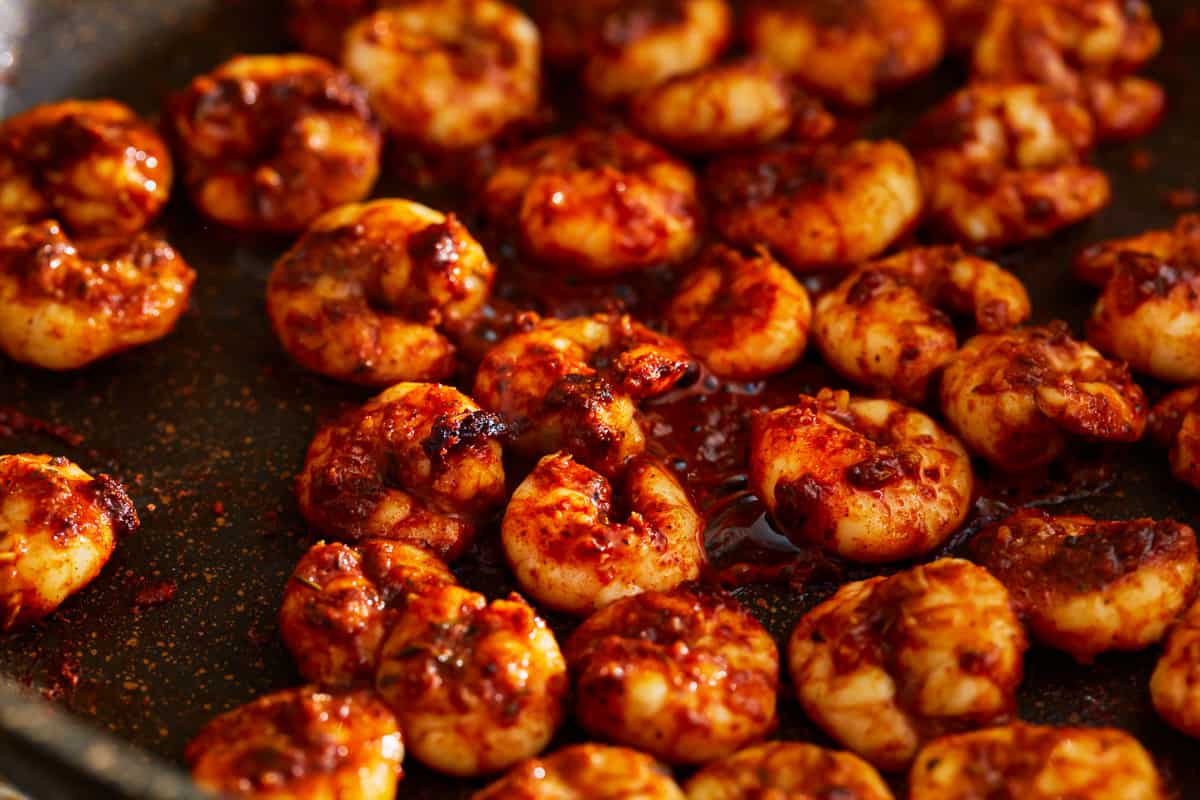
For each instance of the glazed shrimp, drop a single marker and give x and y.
(884, 328)
(574, 385)
(301, 744)
(586, 772)
(597, 203)
(420, 463)
(1175, 684)
(1015, 397)
(1036, 762)
(370, 292)
(91, 165)
(477, 686)
(686, 676)
(849, 52)
(319, 26)
(570, 553)
(269, 143)
(478, 62)
(58, 528)
(1005, 164)
(66, 304)
(342, 600)
(870, 480)
(788, 770)
(964, 21)
(888, 664)
(1088, 587)
(816, 205)
(746, 316)
(1175, 424)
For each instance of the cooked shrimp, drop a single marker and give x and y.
(319, 26)
(1175, 424)
(746, 316)
(596, 203)
(65, 304)
(1015, 397)
(848, 51)
(586, 772)
(91, 165)
(788, 771)
(816, 205)
(964, 21)
(574, 385)
(370, 292)
(1175, 684)
(884, 328)
(1005, 164)
(888, 664)
(447, 74)
(870, 480)
(687, 676)
(269, 143)
(1088, 587)
(58, 527)
(301, 744)
(1033, 762)
(477, 686)
(570, 553)
(342, 600)
(420, 463)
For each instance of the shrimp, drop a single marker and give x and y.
(569, 552)
(1015, 397)
(1005, 164)
(816, 205)
(477, 686)
(319, 26)
(301, 744)
(58, 528)
(884, 328)
(888, 664)
(1036, 762)
(687, 676)
(370, 292)
(1175, 684)
(477, 63)
(1175, 424)
(870, 480)
(1088, 587)
(964, 21)
(788, 770)
(1149, 312)
(420, 463)
(269, 143)
(342, 600)
(586, 772)
(848, 51)
(574, 385)
(66, 304)
(91, 165)
(596, 203)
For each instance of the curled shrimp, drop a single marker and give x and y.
(1175, 684)
(849, 52)
(870, 480)
(91, 165)
(597, 203)
(301, 743)
(319, 26)
(1015, 397)
(420, 463)
(1088, 587)
(58, 528)
(1004, 164)
(269, 143)
(586, 772)
(788, 770)
(370, 292)
(477, 686)
(884, 328)
(746, 316)
(574, 385)
(1036, 762)
(686, 676)
(816, 205)
(888, 664)
(1175, 424)
(477, 65)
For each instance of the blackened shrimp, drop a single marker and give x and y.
(1175, 684)
(586, 772)
(1175, 424)
(788, 771)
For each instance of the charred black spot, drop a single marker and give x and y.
(435, 247)
(451, 434)
(110, 495)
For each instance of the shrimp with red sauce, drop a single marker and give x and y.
(788, 771)
(1175, 425)
(319, 26)
(964, 21)
(586, 772)
(1175, 684)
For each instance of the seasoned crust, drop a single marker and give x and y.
(586, 772)
(788, 771)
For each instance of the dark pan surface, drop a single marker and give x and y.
(208, 427)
